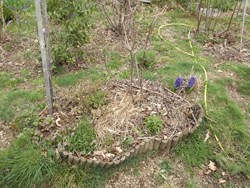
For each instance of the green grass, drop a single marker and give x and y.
(72, 78)
(8, 80)
(24, 164)
(244, 87)
(17, 100)
(115, 60)
(171, 71)
(193, 150)
(82, 138)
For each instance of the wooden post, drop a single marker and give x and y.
(243, 24)
(44, 54)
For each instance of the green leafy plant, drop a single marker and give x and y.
(82, 138)
(154, 124)
(96, 99)
(73, 22)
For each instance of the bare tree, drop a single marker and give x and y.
(243, 23)
(42, 28)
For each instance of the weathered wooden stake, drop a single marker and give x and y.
(44, 54)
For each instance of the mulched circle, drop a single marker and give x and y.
(124, 116)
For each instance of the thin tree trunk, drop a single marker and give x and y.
(230, 22)
(199, 17)
(243, 24)
(239, 8)
(2, 19)
(207, 16)
(216, 21)
(46, 70)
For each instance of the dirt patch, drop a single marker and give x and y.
(224, 46)
(12, 53)
(6, 135)
(150, 174)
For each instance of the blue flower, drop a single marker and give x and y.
(178, 82)
(191, 82)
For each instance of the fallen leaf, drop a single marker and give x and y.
(221, 181)
(223, 173)
(207, 135)
(208, 172)
(118, 149)
(212, 166)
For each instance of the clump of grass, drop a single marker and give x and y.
(24, 164)
(82, 139)
(27, 119)
(165, 166)
(115, 61)
(7, 80)
(71, 79)
(17, 98)
(244, 88)
(68, 177)
(149, 59)
(153, 124)
(193, 150)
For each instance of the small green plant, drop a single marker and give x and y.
(154, 124)
(82, 139)
(96, 99)
(127, 142)
(109, 139)
(27, 119)
(165, 166)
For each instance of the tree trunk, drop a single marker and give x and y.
(243, 24)
(230, 22)
(2, 20)
(199, 17)
(207, 16)
(46, 70)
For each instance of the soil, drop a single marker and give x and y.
(149, 174)
(223, 46)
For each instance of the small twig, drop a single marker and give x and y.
(43, 110)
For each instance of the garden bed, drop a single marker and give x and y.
(126, 125)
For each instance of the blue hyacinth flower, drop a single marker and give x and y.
(178, 82)
(191, 82)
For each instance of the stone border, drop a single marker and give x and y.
(144, 145)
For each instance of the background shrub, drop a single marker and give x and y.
(72, 20)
